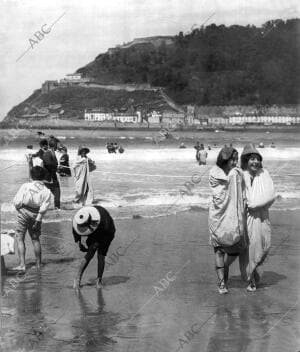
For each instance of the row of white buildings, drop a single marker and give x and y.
(100, 116)
(190, 120)
(173, 118)
(254, 120)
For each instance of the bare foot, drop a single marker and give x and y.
(76, 284)
(19, 268)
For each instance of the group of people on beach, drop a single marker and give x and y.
(54, 159)
(114, 147)
(239, 223)
(34, 198)
(32, 201)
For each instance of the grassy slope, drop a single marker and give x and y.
(75, 99)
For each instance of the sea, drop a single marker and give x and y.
(154, 179)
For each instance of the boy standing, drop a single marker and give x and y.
(96, 223)
(31, 201)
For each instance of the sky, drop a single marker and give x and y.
(76, 31)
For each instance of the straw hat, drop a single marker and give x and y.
(86, 220)
(250, 149)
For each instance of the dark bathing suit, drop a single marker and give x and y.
(101, 238)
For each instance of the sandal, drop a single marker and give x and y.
(252, 286)
(222, 286)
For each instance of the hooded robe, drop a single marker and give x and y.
(227, 218)
(83, 186)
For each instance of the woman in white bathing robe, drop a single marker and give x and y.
(84, 190)
(260, 196)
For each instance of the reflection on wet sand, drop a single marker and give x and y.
(43, 313)
(243, 321)
(94, 323)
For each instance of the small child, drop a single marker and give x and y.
(95, 223)
(32, 202)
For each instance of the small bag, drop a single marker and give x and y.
(92, 165)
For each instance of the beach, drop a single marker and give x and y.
(139, 311)
(160, 286)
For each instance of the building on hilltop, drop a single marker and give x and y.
(156, 41)
(74, 78)
(47, 86)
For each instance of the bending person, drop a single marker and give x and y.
(260, 196)
(227, 218)
(97, 226)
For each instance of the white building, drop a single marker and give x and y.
(73, 76)
(172, 118)
(154, 117)
(123, 118)
(102, 115)
(218, 120)
(97, 115)
(266, 120)
(237, 120)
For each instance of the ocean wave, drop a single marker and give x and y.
(154, 154)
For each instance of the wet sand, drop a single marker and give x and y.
(160, 293)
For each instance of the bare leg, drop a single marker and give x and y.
(38, 252)
(229, 259)
(83, 265)
(219, 260)
(3, 268)
(101, 265)
(21, 249)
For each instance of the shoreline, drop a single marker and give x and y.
(150, 136)
(75, 125)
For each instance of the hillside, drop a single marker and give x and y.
(74, 100)
(213, 65)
